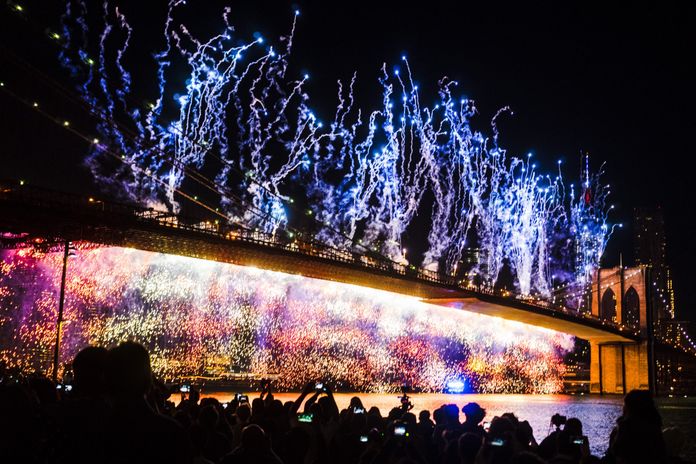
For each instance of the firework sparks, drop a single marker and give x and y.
(199, 316)
(362, 177)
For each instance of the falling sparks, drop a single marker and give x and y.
(202, 317)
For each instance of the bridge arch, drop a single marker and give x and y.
(630, 313)
(608, 306)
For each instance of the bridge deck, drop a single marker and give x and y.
(49, 214)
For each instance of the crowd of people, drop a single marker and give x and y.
(116, 412)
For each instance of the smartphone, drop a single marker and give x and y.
(68, 388)
(497, 442)
(305, 417)
(319, 386)
(358, 411)
(577, 440)
(243, 399)
(486, 426)
(399, 431)
(224, 405)
(185, 388)
(363, 438)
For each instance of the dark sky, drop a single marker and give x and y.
(617, 83)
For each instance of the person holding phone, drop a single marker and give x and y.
(356, 406)
(320, 393)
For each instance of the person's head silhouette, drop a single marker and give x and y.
(254, 438)
(639, 404)
(88, 368)
(128, 372)
(474, 413)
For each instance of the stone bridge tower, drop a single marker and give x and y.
(620, 295)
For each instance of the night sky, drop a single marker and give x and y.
(619, 84)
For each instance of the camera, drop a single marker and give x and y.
(558, 420)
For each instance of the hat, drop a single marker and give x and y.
(472, 409)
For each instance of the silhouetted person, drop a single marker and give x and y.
(136, 433)
(637, 437)
(500, 444)
(296, 446)
(549, 445)
(525, 436)
(19, 424)
(571, 444)
(469, 446)
(85, 413)
(243, 415)
(254, 449)
(216, 444)
(474, 414)
(88, 372)
(425, 425)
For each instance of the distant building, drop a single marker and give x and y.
(472, 265)
(471, 257)
(650, 248)
(649, 240)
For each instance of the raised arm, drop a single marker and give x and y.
(298, 402)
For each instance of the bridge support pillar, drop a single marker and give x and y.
(618, 368)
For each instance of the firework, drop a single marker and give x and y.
(361, 177)
(199, 317)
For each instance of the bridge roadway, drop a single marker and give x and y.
(31, 214)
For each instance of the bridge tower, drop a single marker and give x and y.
(621, 295)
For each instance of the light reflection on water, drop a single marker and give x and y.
(597, 413)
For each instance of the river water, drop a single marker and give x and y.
(597, 413)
